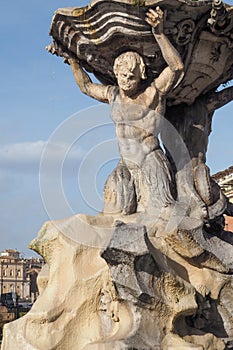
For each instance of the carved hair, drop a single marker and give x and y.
(132, 59)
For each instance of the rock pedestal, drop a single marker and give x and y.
(139, 288)
(155, 269)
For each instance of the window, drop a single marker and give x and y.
(18, 273)
(11, 273)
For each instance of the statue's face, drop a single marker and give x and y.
(128, 79)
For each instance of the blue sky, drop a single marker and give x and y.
(38, 99)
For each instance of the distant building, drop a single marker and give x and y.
(19, 275)
(225, 180)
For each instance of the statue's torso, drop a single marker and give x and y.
(138, 122)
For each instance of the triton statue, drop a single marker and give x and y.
(137, 109)
(80, 36)
(154, 270)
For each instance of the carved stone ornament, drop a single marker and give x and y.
(98, 33)
(154, 269)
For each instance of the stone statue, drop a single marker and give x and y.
(196, 120)
(137, 109)
(154, 270)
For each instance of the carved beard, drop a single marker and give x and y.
(128, 86)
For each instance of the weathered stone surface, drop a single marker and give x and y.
(76, 293)
(100, 32)
(136, 293)
(155, 269)
(105, 37)
(98, 35)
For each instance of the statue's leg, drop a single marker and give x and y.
(159, 179)
(119, 192)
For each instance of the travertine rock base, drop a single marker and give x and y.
(139, 287)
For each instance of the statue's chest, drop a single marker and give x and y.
(127, 111)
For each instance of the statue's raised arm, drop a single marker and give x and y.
(96, 91)
(172, 74)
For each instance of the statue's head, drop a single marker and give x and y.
(129, 69)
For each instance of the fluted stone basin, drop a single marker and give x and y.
(98, 33)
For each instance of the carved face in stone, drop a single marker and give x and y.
(129, 69)
(128, 79)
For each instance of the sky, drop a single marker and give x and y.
(57, 146)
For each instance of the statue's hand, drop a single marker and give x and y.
(155, 18)
(59, 50)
